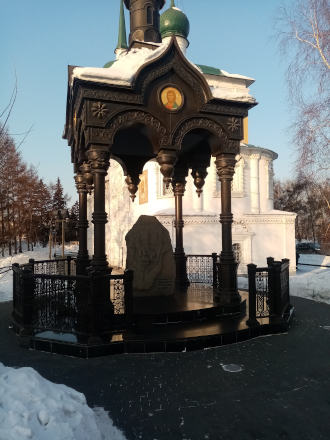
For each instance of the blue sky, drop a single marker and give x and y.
(41, 38)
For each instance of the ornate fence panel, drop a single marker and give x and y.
(262, 293)
(60, 266)
(121, 297)
(205, 269)
(201, 268)
(47, 297)
(55, 302)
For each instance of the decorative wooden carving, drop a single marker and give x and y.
(166, 160)
(195, 123)
(199, 174)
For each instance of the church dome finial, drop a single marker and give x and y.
(122, 39)
(174, 22)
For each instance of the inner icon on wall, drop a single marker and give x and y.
(171, 98)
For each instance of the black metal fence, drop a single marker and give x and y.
(203, 269)
(59, 266)
(48, 297)
(269, 293)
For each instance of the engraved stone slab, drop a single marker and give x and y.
(150, 256)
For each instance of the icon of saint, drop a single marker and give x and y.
(171, 100)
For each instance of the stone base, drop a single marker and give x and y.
(160, 288)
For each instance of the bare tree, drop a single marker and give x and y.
(304, 35)
(309, 200)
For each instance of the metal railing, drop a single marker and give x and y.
(46, 296)
(59, 266)
(203, 269)
(269, 294)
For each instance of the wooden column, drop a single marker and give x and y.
(99, 162)
(179, 184)
(82, 257)
(228, 293)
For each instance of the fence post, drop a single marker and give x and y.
(128, 292)
(27, 300)
(16, 302)
(285, 289)
(68, 258)
(214, 264)
(252, 321)
(274, 286)
(31, 263)
(102, 310)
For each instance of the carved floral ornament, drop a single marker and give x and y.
(99, 110)
(233, 124)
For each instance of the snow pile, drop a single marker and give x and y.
(312, 282)
(31, 407)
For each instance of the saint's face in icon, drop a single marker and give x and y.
(171, 98)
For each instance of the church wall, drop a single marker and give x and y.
(273, 237)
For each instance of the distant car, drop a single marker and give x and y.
(308, 246)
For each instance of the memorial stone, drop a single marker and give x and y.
(150, 256)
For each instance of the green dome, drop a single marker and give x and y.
(174, 22)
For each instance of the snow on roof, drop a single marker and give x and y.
(232, 94)
(237, 75)
(123, 70)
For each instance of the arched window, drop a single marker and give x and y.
(149, 15)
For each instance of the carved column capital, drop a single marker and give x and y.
(86, 171)
(80, 183)
(167, 160)
(98, 160)
(225, 164)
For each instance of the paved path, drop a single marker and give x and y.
(282, 392)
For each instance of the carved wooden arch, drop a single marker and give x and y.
(121, 120)
(172, 59)
(200, 123)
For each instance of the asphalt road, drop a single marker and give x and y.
(282, 391)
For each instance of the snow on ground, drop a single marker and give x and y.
(309, 281)
(32, 407)
(6, 278)
(312, 282)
